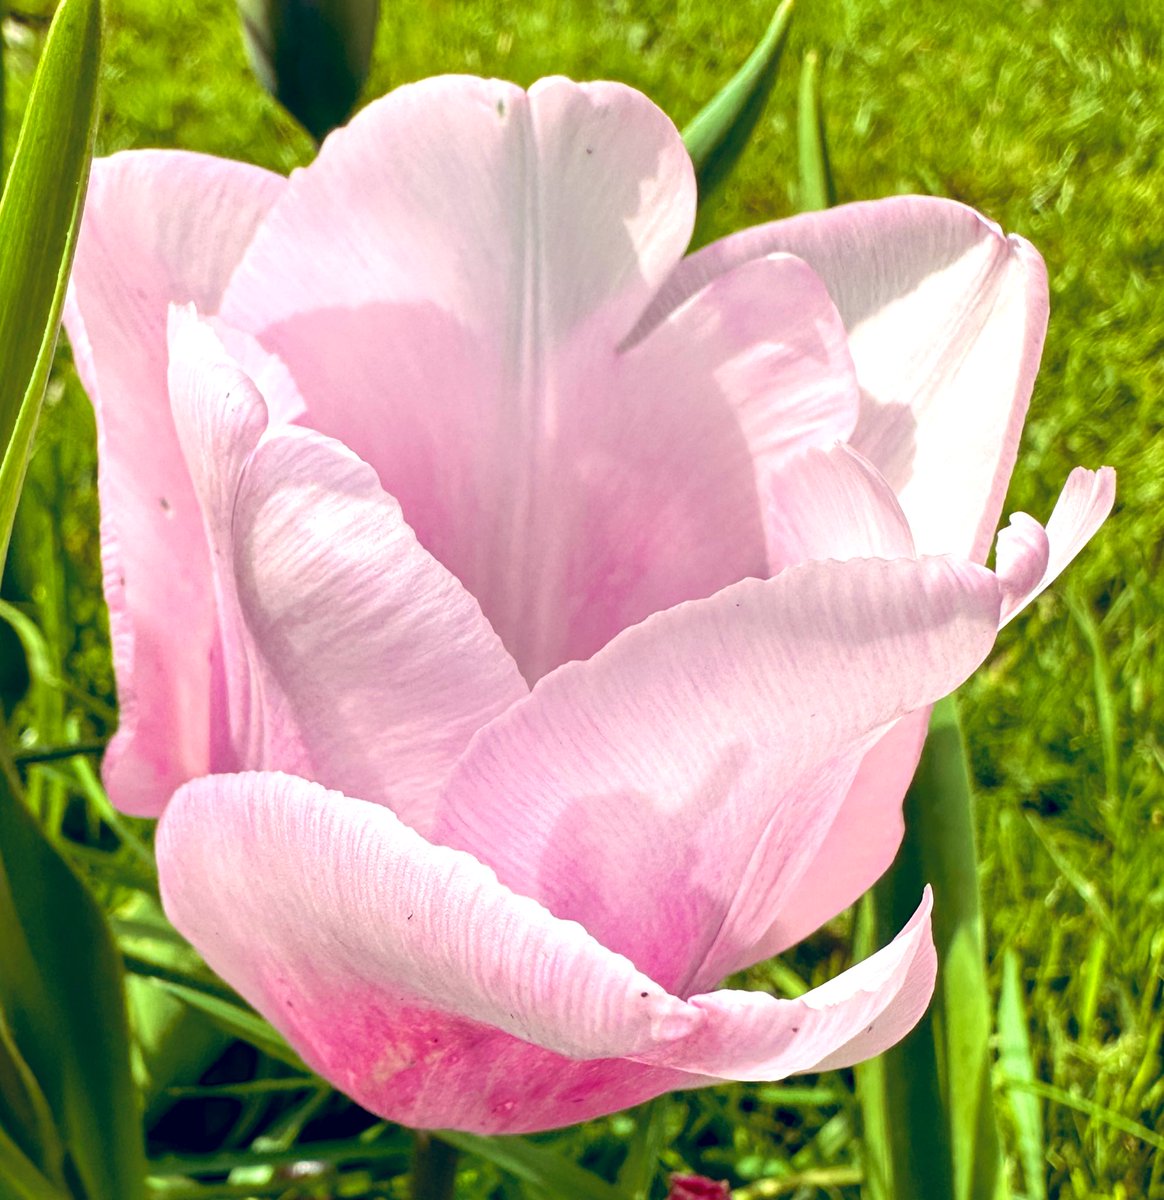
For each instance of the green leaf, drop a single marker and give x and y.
(19, 1179)
(535, 1165)
(311, 55)
(637, 1174)
(39, 216)
(25, 1115)
(816, 177)
(1015, 1062)
(939, 1122)
(719, 132)
(62, 993)
(236, 1020)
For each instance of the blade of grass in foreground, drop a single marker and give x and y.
(39, 216)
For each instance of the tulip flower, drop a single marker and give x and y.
(523, 626)
(696, 1187)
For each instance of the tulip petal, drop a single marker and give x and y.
(946, 318)
(384, 660)
(833, 504)
(854, 1016)
(673, 790)
(159, 227)
(394, 966)
(567, 201)
(861, 844)
(355, 658)
(1024, 547)
(571, 488)
(1021, 555)
(406, 974)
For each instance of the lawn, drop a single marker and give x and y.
(1047, 115)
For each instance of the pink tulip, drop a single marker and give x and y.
(447, 417)
(697, 1187)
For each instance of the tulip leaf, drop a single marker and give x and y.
(816, 179)
(62, 992)
(538, 1166)
(236, 1020)
(311, 55)
(25, 1116)
(39, 216)
(719, 132)
(942, 1136)
(19, 1178)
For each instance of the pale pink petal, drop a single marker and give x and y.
(522, 215)
(403, 971)
(856, 1015)
(159, 227)
(385, 662)
(1082, 507)
(449, 285)
(1020, 561)
(946, 318)
(220, 417)
(655, 497)
(408, 976)
(832, 504)
(672, 791)
(862, 843)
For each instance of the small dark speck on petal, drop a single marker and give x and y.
(589, 149)
(643, 994)
(501, 108)
(164, 503)
(410, 916)
(868, 1028)
(795, 1028)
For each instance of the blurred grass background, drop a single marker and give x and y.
(1048, 115)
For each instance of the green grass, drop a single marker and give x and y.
(1048, 116)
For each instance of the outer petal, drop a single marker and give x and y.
(671, 792)
(159, 227)
(402, 971)
(405, 973)
(946, 318)
(858, 1014)
(471, 355)
(1082, 507)
(348, 650)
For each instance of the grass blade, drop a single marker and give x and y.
(719, 132)
(39, 216)
(1015, 1062)
(535, 1165)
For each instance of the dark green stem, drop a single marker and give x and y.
(434, 1168)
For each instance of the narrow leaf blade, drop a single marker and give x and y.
(39, 217)
(535, 1165)
(719, 132)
